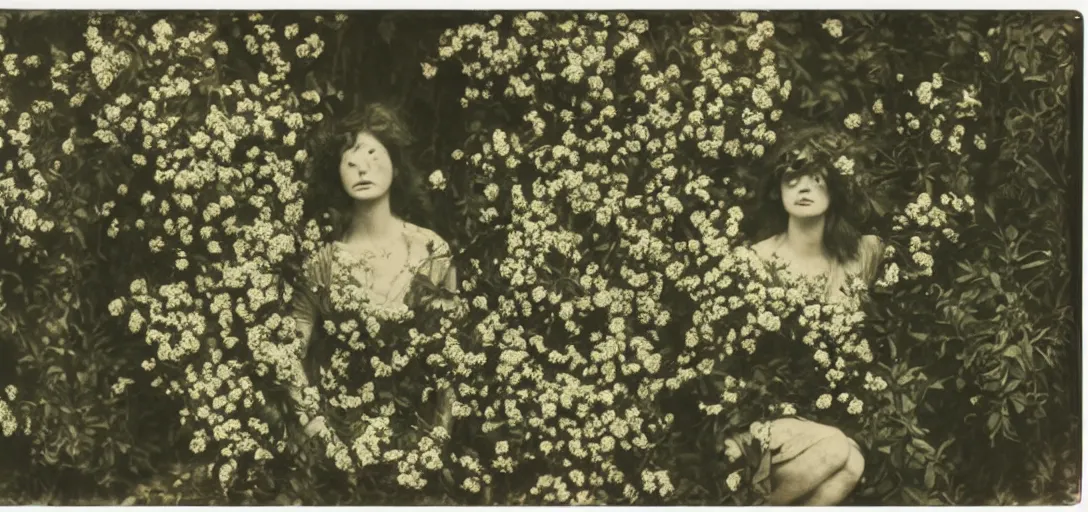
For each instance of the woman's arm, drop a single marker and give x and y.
(305, 311)
(305, 406)
(444, 275)
(447, 396)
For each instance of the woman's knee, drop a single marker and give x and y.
(855, 462)
(836, 451)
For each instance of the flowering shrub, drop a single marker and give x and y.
(654, 253)
(216, 202)
(605, 156)
(59, 416)
(596, 176)
(969, 272)
(200, 161)
(383, 371)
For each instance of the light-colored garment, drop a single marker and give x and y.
(384, 282)
(337, 275)
(791, 436)
(864, 266)
(787, 438)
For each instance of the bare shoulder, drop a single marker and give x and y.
(765, 248)
(435, 243)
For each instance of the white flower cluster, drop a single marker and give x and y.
(742, 288)
(24, 189)
(9, 423)
(109, 59)
(223, 211)
(833, 27)
(932, 223)
(363, 378)
(741, 303)
(597, 163)
(845, 165)
(960, 106)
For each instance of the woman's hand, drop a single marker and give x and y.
(732, 449)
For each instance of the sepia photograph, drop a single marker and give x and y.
(553, 257)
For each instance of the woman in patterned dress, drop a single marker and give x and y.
(378, 255)
(807, 208)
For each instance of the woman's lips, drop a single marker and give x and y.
(362, 184)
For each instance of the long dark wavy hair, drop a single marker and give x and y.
(386, 123)
(810, 151)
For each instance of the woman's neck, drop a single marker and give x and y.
(372, 220)
(805, 237)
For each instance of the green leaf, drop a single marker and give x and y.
(1018, 404)
(915, 496)
(922, 445)
(1028, 266)
(944, 446)
(966, 277)
(908, 404)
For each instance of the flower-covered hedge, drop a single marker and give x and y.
(597, 178)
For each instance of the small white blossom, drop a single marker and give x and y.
(438, 180)
(833, 27)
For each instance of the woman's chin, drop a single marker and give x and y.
(366, 195)
(807, 214)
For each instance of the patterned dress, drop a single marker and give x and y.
(384, 281)
(391, 280)
(790, 437)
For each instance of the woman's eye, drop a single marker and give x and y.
(351, 164)
(371, 151)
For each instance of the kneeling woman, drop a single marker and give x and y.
(805, 205)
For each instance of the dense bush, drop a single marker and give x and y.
(596, 177)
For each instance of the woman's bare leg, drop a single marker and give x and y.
(841, 484)
(806, 473)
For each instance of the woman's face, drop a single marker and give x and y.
(805, 195)
(366, 170)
